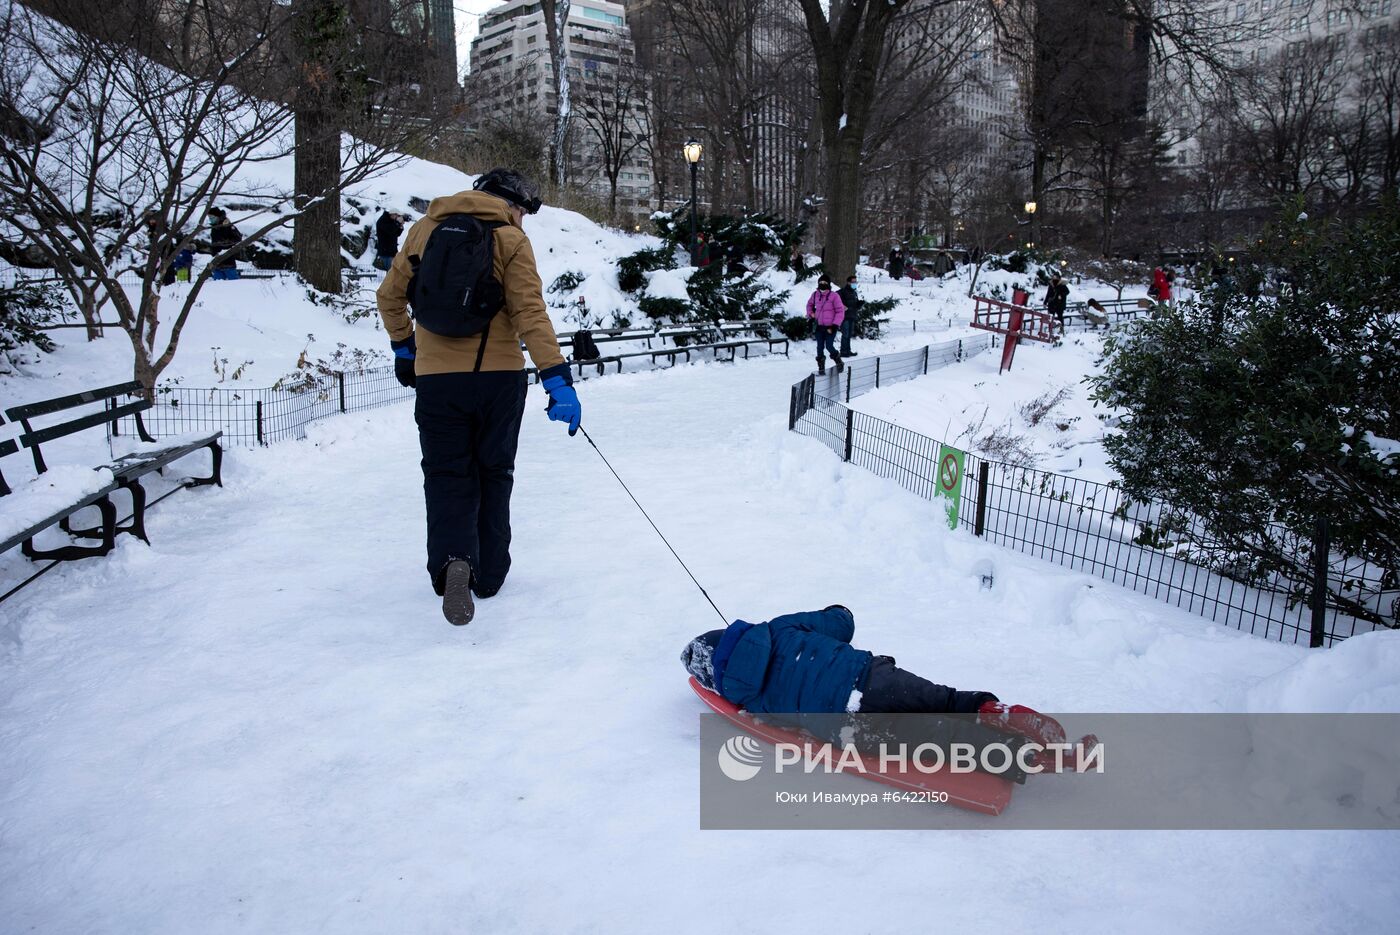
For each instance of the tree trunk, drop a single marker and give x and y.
(842, 209)
(143, 368)
(316, 234)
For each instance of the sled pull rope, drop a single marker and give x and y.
(653, 525)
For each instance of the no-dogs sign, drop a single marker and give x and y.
(948, 482)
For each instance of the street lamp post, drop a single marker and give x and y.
(693, 151)
(1030, 211)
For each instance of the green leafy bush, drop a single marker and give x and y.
(1271, 403)
(872, 316)
(674, 310)
(795, 327)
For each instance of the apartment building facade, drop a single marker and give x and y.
(510, 67)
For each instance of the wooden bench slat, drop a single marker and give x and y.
(140, 463)
(40, 436)
(59, 403)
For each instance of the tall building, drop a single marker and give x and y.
(510, 66)
(987, 102)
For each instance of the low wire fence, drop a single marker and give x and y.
(1084, 525)
(254, 416)
(263, 415)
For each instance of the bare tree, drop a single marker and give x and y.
(109, 163)
(556, 24)
(1380, 81)
(877, 64)
(1283, 112)
(611, 108)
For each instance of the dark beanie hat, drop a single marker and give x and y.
(698, 657)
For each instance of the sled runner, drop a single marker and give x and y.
(977, 792)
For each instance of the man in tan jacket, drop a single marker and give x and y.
(471, 389)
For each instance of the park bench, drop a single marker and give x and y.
(671, 353)
(675, 335)
(36, 507)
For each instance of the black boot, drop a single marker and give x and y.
(457, 604)
(836, 359)
(821, 366)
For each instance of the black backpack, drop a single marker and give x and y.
(585, 348)
(454, 291)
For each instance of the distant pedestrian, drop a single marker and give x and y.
(735, 261)
(827, 311)
(1055, 298)
(851, 299)
(223, 236)
(896, 266)
(1161, 288)
(386, 239)
(184, 264)
(703, 251)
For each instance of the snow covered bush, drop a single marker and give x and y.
(1261, 411)
(752, 235)
(632, 269)
(567, 281)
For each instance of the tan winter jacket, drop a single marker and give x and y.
(524, 317)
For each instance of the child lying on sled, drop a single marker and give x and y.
(804, 663)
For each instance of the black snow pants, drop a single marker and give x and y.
(891, 690)
(468, 428)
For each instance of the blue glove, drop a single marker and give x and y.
(404, 353)
(563, 402)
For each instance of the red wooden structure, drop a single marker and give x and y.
(1014, 320)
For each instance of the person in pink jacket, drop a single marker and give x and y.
(828, 311)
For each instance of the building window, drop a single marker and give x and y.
(601, 16)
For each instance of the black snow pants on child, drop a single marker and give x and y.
(891, 690)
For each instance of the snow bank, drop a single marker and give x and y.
(1358, 675)
(669, 283)
(40, 497)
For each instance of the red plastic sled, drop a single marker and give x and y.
(976, 792)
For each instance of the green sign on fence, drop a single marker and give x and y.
(949, 480)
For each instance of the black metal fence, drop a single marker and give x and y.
(1083, 525)
(263, 415)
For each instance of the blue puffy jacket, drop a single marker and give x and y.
(797, 663)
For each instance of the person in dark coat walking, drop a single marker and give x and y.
(851, 300)
(896, 263)
(386, 239)
(804, 663)
(1056, 295)
(222, 236)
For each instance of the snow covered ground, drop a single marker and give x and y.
(1037, 414)
(261, 722)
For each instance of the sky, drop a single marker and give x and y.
(467, 14)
